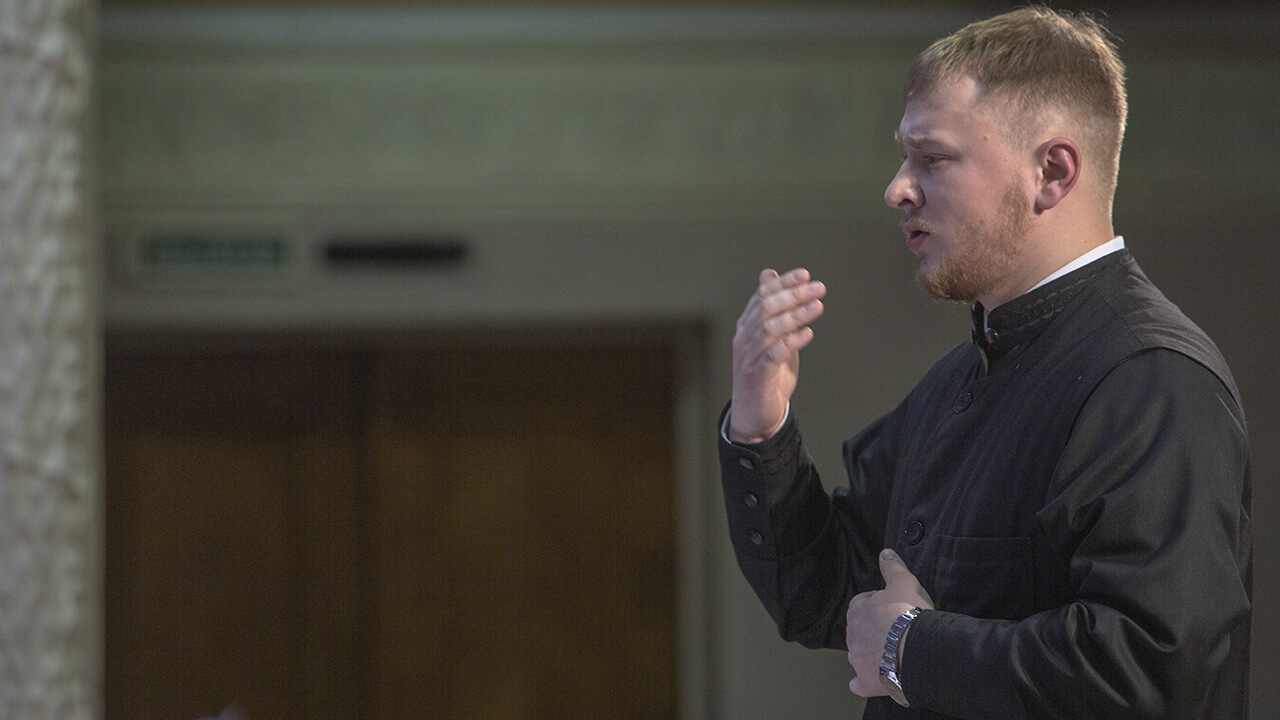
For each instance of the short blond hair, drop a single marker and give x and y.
(1043, 63)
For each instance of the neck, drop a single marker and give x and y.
(1043, 258)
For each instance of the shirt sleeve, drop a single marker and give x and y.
(1149, 513)
(803, 554)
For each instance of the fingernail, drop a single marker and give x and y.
(887, 554)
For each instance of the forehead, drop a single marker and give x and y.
(951, 112)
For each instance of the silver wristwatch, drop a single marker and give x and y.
(889, 661)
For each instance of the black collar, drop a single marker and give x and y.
(1022, 319)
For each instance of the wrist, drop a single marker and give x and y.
(902, 645)
(890, 662)
(747, 436)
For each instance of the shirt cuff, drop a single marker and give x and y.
(724, 426)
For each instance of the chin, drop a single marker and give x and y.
(945, 283)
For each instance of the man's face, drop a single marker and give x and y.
(963, 193)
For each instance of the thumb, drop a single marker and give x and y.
(892, 568)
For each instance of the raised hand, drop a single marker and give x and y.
(772, 330)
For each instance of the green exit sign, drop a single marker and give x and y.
(166, 254)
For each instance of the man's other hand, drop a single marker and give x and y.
(872, 614)
(766, 351)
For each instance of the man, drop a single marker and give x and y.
(1063, 502)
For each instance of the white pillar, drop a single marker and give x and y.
(50, 481)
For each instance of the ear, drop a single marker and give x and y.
(1059, 166)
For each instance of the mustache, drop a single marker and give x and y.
(913, 222)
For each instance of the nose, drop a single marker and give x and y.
(903, 191)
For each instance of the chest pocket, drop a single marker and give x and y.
(984, 577)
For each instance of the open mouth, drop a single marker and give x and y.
(915, 238)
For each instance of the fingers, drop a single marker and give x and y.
(777, 292)
(771, 281)
(865, 644)
(775, 339)
(770, 332)
(781, 309)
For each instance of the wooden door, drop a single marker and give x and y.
(231, 526)
(479, 531)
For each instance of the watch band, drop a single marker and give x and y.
(889, 661)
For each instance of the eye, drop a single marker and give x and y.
(923, 160)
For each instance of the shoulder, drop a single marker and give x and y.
(1159, 384)
(1130, 317)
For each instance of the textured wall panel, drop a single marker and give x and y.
(49, 481)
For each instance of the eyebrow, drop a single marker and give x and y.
(914, 140)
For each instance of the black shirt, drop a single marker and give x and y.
(1072, 489)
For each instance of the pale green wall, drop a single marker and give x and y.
(643, 166)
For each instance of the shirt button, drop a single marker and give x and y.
(750, 500)
(913, 533)
(757, 538)
(963, 402)
(746, 462)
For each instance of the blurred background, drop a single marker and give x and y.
(417, 323)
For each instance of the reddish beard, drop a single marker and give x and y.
(984, 252)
